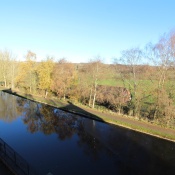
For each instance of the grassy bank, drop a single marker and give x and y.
(127, 122)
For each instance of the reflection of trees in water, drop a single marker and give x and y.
(30, 113)
(56, 121)
(49, 120)
(8, 107)
(46, 119)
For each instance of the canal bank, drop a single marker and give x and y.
(123, 121)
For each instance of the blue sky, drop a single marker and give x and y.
(80, 30)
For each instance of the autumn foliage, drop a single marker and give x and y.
(144, 79)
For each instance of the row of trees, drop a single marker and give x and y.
(150, 77)
(62, 79)
(147, 75)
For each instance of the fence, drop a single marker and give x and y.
(13, 160)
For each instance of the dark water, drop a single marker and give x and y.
(54, 141)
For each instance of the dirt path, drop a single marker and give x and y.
(141, 126)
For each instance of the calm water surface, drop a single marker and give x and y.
(54, 141)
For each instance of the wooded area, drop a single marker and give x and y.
(144, 80)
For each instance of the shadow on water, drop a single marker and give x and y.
(131, 152)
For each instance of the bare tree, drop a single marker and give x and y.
(128, 67)
(95, 71)
(163, 57)
(7, 68)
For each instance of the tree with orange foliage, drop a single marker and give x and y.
(64, 76)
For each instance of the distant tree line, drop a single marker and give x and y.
(145, 80)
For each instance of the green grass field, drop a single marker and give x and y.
(111, 82)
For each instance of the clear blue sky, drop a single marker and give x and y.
(80, 30)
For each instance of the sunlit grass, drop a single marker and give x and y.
(111, 82)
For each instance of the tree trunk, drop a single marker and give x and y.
(12, 84)
(93, 104)
(90, 97)
(64, 97)
(13, 75)
(46, 93)
(155, 112)
(5, 82)
(119, 109)
(95, 93)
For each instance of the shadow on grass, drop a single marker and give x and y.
(67, 107)
(25, 96)
(70, 107)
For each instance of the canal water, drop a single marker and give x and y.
(59, 143)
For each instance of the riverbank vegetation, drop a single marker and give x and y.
(140, 84)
